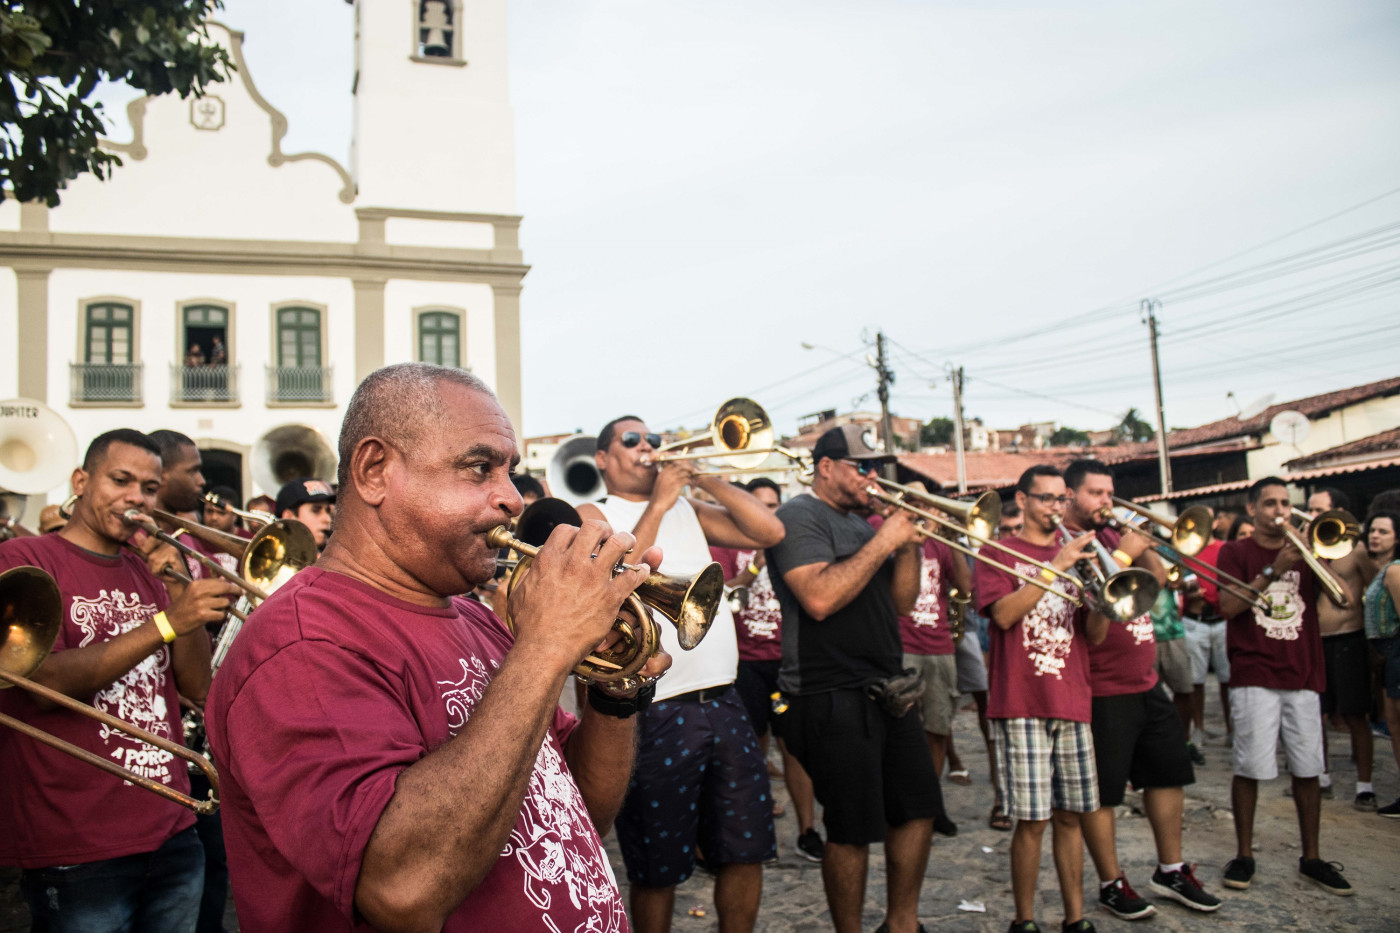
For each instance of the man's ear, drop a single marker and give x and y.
(78, 481)
(600, 458)
(370, 465)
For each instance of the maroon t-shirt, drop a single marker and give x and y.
(1040, 666)
(331, 691)
(1281, 648)
(759, 624)
(56, 810)
(925, 630)
(1126, 660)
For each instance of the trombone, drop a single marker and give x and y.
(1314, 561)
(875, 492)
(689, 602)
(979, 518)
(265, 561)
(32, 614)
(1121, 594)
(741, 433)
(1189, 533)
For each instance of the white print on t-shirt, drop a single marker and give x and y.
(552, 842)
(763, 614)
(138, 696)
(1047, 631)
(926, 609)
(1284, 620)
(1141, 628)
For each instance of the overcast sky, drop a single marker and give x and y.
(995, 184)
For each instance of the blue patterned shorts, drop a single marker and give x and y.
(1046, 764)
(700, 779)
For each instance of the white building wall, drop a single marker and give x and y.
(9, 333)
(1338, 427)
(402, 297)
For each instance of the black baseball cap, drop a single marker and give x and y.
(850, 442)
(301, 491)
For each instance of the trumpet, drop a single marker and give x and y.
(1334, 589)
(690, 603)
(32, 615)
(1120, 594)
(257, 519)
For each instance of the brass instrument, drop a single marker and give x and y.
(257, 519)
(1332, 534)
(32, 613)
(741, 434)
(689, 602)
(265, 561)
(1189, 532)
(979, 518)
(958, 603)
(875, 492)
(1335, 590)
(573, 474)
(9, 528)
(1120, 594)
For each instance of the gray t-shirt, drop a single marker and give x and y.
(854, 646)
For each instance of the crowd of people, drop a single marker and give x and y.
(393, 755)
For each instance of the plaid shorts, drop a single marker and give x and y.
(1046, 764)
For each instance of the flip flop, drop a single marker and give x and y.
(999, 819)
(961, 777)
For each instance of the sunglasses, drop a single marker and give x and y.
(630, 439)
(864, 467)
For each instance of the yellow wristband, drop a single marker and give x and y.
(167, 631)
(753, 570)
(1122, 558)
(1047, 575)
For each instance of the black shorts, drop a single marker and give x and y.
(757, 682)
(869, 772)
(700, 778)
(1347, 660)
(1138, 737)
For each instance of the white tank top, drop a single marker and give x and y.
(715, 661)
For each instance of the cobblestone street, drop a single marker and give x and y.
(974, 866)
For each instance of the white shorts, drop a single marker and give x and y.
(1206, 643)
(1260, 715)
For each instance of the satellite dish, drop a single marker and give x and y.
(1256, 408)
(1291, 427)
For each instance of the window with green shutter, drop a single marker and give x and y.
(439, 338)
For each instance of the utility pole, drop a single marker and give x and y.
(958, 429)
(1149, 316)
(882, 371)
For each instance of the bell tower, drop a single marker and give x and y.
(433, 124)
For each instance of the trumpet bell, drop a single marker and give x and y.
(690, 602)
(31, 611)
(1128, 594)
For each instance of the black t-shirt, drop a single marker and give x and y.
(854, 646)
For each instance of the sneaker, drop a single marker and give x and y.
(1122, 901)
(1078, 926)
(1380, 730)
(810, 846)
(1182, 887)
(1365, 801)
(1025, 926)
(1327, 875)
(944, 826)
(1391, 811)
(1239, 872)
(1197, 757)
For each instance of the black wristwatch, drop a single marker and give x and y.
(1268, 572)
(620, 707)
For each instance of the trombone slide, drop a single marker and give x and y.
(1334, 589)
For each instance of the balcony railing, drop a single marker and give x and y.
(105, 382)
(194, 384)
(299, 383)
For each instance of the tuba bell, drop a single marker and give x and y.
(291, 451)
(573, 474)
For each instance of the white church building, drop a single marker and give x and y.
(225, 288)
